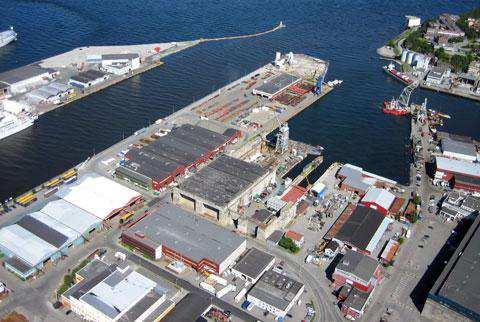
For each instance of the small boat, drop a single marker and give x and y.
(7, 37)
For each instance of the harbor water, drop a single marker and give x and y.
(348, 122)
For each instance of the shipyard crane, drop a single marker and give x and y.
(400, 105)
(403, 100)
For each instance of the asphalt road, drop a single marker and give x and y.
(189, 287)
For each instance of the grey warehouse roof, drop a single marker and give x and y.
(42, 231)
(459, 282)
(276, 289)
(191, 236)
(458, 147)
(22, 73)
(275, 84)
(358, 264)
(223, 180)
(253, 262)
(120, 56)
(88, 76)
(18, 264)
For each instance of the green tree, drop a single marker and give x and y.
(460, 63)
(442, 55)
(288, 244)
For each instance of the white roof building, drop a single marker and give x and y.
(98, 195)
(380, 197)
(72, 216)
(24, 244)
(458, 166)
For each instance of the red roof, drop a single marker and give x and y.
(295, 193)
(390, 250)
(294, 235)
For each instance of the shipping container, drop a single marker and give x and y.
(53, 183)
(68, 174)
(124, 218)
(71, 180)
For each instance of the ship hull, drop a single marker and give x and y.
(396, 76)
(8, 131)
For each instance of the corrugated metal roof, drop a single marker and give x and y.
(70, 215)
(47, 233)
(381, 197)
(468, 149)
(25, 245)
(457, 166)
(98, 195)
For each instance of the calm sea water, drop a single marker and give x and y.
(347, 122)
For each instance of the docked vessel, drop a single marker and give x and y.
(7, 37)
(391, 70)
(11, 123)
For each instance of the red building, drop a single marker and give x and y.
(157, 164)
(358, 270)
(378, 199)
(177, 234)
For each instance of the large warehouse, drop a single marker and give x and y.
(44, 236)
(464, 175)
(455, 293)
(187, 146)
(219, 188)
(19, 79)
(362, 230)
(464, 150)
(175, 233)
(101, 197)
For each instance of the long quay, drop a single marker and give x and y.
(43, 86)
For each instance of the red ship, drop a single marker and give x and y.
(391, 107)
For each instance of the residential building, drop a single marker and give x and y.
(297, 238)
(359, 270)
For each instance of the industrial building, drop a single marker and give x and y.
(253, 264)
(275, 85)
(219, 188)
(355, 179)
(113, 293)
(463, 175)
(361, 230)
(52, 93)
(184, 148)
(119, 63)
(99, 196)
(455, 293)
(275, 293)
(378, 199)
(175, 233)
(456, 149)
(359, 270)
(22, 79)
(44, 236)
(88, 78)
